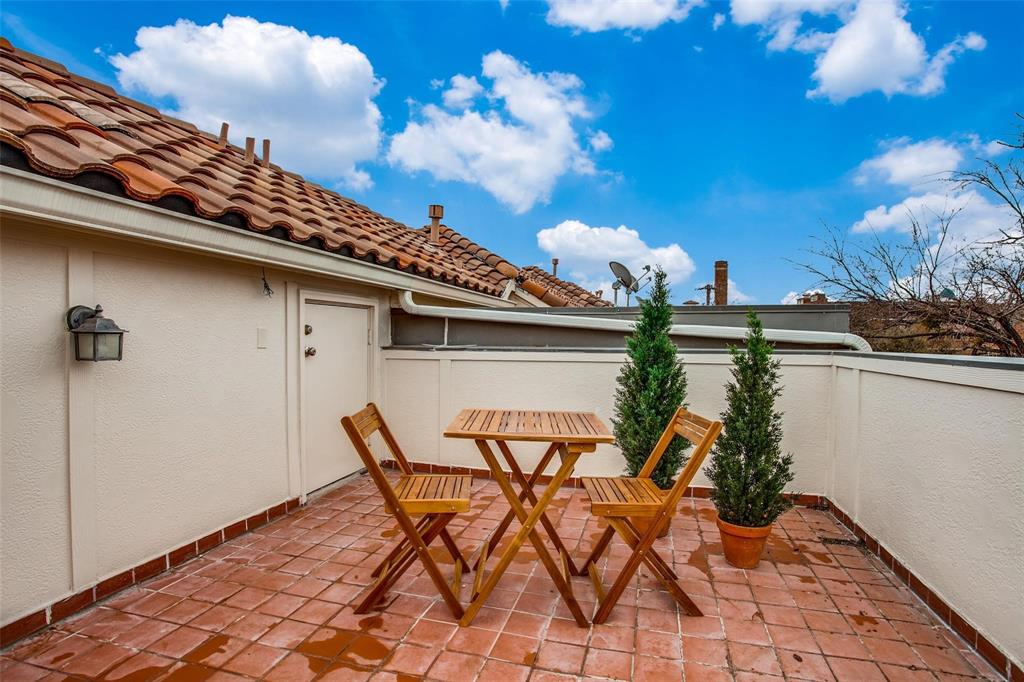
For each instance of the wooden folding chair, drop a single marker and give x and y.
(620, 499)
(436, 498)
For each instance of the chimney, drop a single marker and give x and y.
(721, 282)
(554, 267)
(599, 293)
(813, 298)
(436, 212)
(222, 141)
(250, 149)
(266, 153)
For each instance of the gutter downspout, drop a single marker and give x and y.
(851, 341)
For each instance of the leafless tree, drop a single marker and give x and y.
(931, 291)
(1003, 181)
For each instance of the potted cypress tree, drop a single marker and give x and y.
(748, 469)
(651, 386)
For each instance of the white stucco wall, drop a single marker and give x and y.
(416, 381)
(106, 465)
(934, 470)
(927, 457)
(34, 534)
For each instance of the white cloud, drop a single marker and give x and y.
(462, 92)
(600, 141)
(737, 297)
(911, 163)
(517, 148)
(312, 96)
(978, 219)
(585, 251)
(781, 20)
(875, 47)
(631, 15)
(717, 21)
(698, 49)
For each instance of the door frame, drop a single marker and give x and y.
(373, 365)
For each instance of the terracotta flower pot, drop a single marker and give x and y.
(743, 545)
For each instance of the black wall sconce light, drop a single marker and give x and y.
(95, 337)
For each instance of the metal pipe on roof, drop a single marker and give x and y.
(700, 330)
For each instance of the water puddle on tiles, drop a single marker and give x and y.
(140, 675)
(214, 645)
(779, 551)
(190, 672)
(327, 647)
(60, 659)
(364, 651)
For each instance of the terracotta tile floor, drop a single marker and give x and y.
(276, 604)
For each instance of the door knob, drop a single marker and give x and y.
(310, 351)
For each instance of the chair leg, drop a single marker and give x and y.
(454, 550)
(652, 556)
(402, 545)
(599, 548)
(418, 549)
(642, 549)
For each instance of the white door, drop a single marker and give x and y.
(336, 379)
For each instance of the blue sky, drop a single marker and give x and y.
(709, 131)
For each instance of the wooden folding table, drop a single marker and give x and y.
(570, 434)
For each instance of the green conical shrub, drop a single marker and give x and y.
(748, 469)
(652, 385)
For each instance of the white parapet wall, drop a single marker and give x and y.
(926, 454)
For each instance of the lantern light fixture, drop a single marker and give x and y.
(95, 337)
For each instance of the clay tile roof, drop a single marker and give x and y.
(558, 292)
(69, 127)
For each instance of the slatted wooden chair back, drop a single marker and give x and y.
(698, 430)
(367, 422)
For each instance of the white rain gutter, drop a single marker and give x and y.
(707, 331)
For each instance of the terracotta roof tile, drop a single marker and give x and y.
(558, 292)
(65, 125)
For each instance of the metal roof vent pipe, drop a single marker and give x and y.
(721, 282)
(554, 267)
(436, 213)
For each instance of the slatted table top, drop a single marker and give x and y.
(529, 425)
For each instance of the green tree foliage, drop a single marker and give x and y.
(747, 466)
(652, 385)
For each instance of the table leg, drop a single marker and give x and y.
(527, 530)
(527, 487)
(499, 532)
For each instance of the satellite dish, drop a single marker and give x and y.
(623, 274)
(625, 279)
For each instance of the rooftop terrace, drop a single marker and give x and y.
(277, 604)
